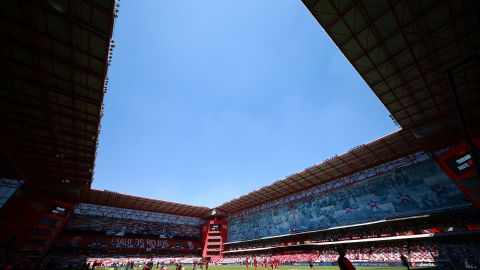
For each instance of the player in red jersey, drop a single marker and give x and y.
(246, 263)
(271, 262)
(255, 263)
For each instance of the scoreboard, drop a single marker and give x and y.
(460, 163)
(215, 227)
(457, 162)
(58, 210)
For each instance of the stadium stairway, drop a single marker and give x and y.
(213, 245)
(49, 227)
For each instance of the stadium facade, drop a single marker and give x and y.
(413, 192)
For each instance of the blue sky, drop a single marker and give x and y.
(209, 100)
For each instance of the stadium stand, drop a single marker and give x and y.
(126, 227)
(414, 191)
(425, 253)
(94, 231)
(7, 189)
(61, 260)
(381, 197)
(440, 224)
(423, 239)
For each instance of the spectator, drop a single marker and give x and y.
(343, 262)
(404, 260)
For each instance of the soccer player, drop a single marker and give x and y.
(246, 263)
(179, 265)
(255, 263)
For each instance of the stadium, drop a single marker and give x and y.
(413, 193)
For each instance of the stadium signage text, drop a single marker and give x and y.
(139, 243)
(75, 240)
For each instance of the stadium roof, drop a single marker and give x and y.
(380, 151)
(54, 57)
(403, 50)
(115, 199)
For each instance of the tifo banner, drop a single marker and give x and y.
(127, 242)
(419, 188)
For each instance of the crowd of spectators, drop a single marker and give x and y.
(124, 213)
(423, 251)
(384, 229)
(305, 256)
(62, 260)
(126, 227)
